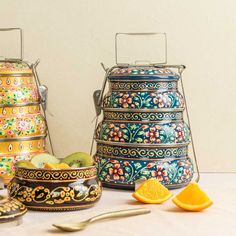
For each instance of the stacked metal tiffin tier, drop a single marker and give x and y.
(22, 126)
(142, 134)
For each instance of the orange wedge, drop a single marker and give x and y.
(152, 191)
(192, 198)
(51, 166)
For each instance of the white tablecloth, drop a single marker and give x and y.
(165, 219)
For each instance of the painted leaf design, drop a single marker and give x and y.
(40, 195)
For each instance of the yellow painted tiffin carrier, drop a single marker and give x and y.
(23, 128)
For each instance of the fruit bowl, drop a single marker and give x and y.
(56, 189)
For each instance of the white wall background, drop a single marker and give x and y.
(71, 37)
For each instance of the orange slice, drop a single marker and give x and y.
(51, 166)
(152, 191)
(192, 198)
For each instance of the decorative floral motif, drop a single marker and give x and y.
(13, 65)
(170, 172)
(116, 133)
(52, 190)
(19, 126)
(158, 73)
(77, 195)
(18, 95)
(143, 100)
(7, 165)
(116, 173)
(11, 208)
(169, 133)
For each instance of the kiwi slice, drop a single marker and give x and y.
(40, 159)
(78, 159)
(26, 164)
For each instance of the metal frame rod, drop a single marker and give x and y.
(188, 119)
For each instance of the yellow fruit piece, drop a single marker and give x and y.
(51, 166)
(192, 198)
(152, 191)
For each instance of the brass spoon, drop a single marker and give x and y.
(70, 227)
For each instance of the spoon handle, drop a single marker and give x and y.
(118, 214)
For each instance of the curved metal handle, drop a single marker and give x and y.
(43, 90)
(180, 70)
(118, 214)
(21, 41)
(140, 34)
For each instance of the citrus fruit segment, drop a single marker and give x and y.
(152, 191)
(51, 166)
(192, 198)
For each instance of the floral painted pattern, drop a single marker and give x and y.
(7, 165)
(143, 100)
(21, 126)
(18, 95)
(158, 73)
(169, 133)
(44, 196)
(122, 171)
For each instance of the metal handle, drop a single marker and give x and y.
(118, 214)
(180, 70)
(139, 34)
(21, 42)
(43, 98)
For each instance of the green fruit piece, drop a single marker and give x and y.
(78, 159)
(40, 159)
(26, 164)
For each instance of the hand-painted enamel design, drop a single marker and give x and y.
(23, 128)
(142, 134)
(56, 190)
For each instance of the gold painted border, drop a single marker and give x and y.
(140, 144)
(12, 217)
(60, 207)
(54, 181)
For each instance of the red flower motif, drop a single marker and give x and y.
(150, 165)
(117, 172)
(126, 163)
(116, 134)
(159, 100)
(22, 125)
(10, 132)
(153, 135)
(179, 133)
(144, 126)
(126, 101)
(114, 161)
(160, 174)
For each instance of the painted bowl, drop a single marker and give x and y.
(56, 190)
